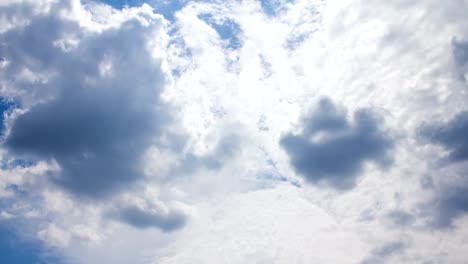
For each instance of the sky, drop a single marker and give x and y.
(206, 131)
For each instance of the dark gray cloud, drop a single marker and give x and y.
(166, 220)
(333, 150)
(450, 201)
(100, 108)
(448, 205)
(452, 135)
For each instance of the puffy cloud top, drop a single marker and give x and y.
(333, 150)
(101, 106)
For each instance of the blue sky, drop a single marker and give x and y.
(5, 106)
(121, 3)
(14, 249)
(166, 8)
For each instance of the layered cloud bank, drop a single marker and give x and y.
(233, 131)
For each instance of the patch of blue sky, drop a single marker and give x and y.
(119, 4)
(227, 30)
(268, 7)
(5, 106)
(273, 7)
(6, 164)
(184, 51)
(167, 8)
(22, 163)
(15, 189)
(14, 249)
(18, 241)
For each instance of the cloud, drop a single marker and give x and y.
(450, 201)
(225, 149)
(460, 55)
(227, 29)
(400, 218)
(379, 254)
(55, 236)
(101, 106)
(233, 62)
(449, 204)
(389, 249)
(333, 150)
(146, 216)
(119, 4)
(451, 135)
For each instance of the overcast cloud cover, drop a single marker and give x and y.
(269, 131)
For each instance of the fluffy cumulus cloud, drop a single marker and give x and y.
(100, 117)
(269, 131)
(331, 149)
(89, 97)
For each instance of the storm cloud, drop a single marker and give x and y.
(333, 150)
(105, 109)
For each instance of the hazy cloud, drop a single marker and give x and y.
(449, 204)
(450, 201)
(379, 254)
(164, 218)
(460, 53)
(400, 217)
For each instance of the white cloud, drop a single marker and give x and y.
(263, 226)
(55, 236)
(230, 105)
